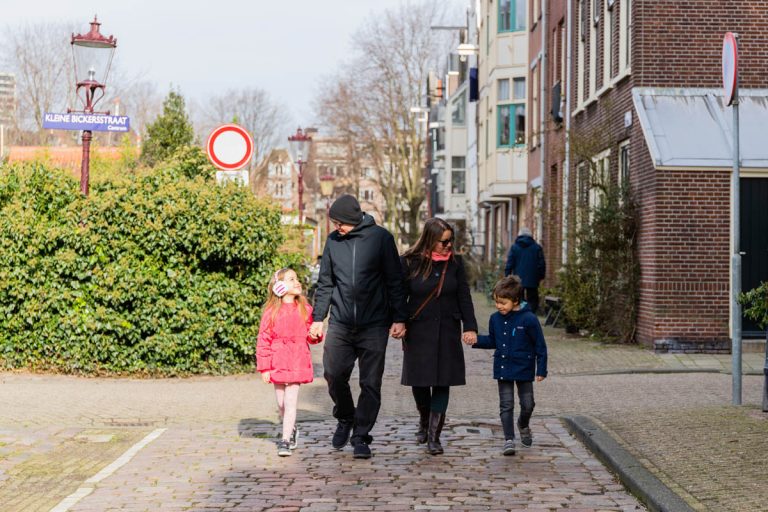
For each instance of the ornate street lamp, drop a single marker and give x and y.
(92, 53)
(326, 190)
(299, 148)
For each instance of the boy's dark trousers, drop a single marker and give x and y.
(507, 404)
(343, 346)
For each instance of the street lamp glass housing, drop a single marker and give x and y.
(326, 185)
(92, 53)
(299, 146)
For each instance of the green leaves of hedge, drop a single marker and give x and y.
(154, 273)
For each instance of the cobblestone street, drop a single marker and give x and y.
(211, 446)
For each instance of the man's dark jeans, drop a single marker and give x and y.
(507, 404)
(344, 346)
(531, 296)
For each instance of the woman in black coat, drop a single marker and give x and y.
(438, 304)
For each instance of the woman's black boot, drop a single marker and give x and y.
(436, 421)
(421, 434)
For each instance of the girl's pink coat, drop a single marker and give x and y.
(282, 348)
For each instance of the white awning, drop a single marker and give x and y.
(692, 127)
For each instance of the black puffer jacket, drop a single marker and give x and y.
(360, 278)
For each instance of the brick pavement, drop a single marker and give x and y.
(655, 415)
(219, 467)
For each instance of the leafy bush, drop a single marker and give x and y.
(600, 285)
(154, 273)
(755, 304)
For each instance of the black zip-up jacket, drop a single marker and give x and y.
(360, 278)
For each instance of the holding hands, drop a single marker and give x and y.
(397, 330)
(316, 330)
(469, 337)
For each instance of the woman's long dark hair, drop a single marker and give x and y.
(421, 251)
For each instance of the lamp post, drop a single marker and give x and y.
(299, 148)
(326, 190)
(92, 54)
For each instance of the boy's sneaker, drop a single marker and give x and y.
(283, 449)
(293, 442)
(362, 451)
(509, 447)
(526, 439)
(341, 436)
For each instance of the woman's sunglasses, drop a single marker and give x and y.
(446, 241)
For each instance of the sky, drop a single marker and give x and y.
(205, 47)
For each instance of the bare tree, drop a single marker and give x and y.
(40, 56)
(253, 109)
(141, 100)
(370, 102)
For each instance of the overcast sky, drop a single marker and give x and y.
(207, 46)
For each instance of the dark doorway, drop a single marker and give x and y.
(754, 242)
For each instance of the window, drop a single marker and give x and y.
(511, 125)
(599, 180)
(458, 175)
(608, 43)
(565, 190)
(624, 164)
(368, 195)
(535, 106)
(581, 193)
(596, 11)
(503, 89)
(518, 85)
(580, 75)
(625, 36)
(511, 15)
(592, 87)
(458, 110)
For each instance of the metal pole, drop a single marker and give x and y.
(736, 257)
(85, 166)
(301, 192)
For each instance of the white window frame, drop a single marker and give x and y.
(608, 21)
(593, 55)
(624, 167)
(565, 203)
(625, 35)
(581, 36)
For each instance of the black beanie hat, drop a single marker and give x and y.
(346, 209)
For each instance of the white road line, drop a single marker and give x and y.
(85, 489)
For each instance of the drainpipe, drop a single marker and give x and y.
(567, 114)
(543, 118)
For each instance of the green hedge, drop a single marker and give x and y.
(155, 273)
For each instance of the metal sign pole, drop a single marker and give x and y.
(736, 257)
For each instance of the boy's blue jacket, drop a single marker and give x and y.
(521, 352)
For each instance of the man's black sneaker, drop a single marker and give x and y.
(341, 436)
(526, 439)
(362, 451)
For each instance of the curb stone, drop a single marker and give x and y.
(641, 482)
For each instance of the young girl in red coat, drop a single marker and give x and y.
(282, 350)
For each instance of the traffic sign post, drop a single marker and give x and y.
(731, 98)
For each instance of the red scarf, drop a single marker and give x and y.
(440, 257)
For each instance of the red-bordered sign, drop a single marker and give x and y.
(730, 67)
(229, 147)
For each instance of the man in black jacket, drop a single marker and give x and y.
(526, 261)
(361, 283)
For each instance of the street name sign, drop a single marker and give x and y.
(82, 121)
(229, 147)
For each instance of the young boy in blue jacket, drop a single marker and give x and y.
(519, 359)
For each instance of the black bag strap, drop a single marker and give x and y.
(433, 293)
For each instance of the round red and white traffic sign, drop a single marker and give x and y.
(730, 67)
(229, 147)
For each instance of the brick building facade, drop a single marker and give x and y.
(625, 46)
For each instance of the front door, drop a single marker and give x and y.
(754, 242)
